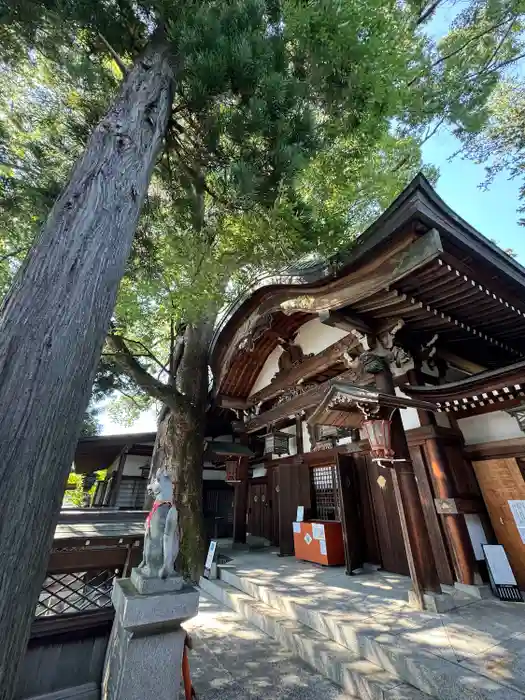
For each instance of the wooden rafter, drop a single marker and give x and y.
(310, 367)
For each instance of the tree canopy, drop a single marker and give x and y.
(214, 140)
(293, 125)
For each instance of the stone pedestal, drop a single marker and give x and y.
(144, 655)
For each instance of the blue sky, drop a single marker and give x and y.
(493, 212)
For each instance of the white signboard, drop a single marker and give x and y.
(297, 528)
(300, 514)
(498, 564)
(518, 511)
(322, 547)
(211, 554)
(318, 531)
(308, 538)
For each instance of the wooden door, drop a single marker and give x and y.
(372, 553)
(259, 514)
(273, 496)
(294, 490)
(501, 480)
(351, 516)
(389, 533)
(254, 510)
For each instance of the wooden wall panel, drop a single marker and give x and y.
(462, 472)
(372, 553)
(294, 490)
(351, 518)
(390, 536)
(51, 667)
(501, 480)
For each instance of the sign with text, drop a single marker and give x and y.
(300, 514)
(212, 549)
(518, 511)
(318, 531)
(502, 579)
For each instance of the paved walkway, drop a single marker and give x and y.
(232, 660)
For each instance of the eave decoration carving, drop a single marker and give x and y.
(519, 414)
(249, 340)
(380, 351)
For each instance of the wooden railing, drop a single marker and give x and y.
(91, 548)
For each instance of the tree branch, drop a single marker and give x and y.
(460, 48)
(131, 398)
(508, 62)
(144, 347)
(153, 387)
(114, 55)
(498, 47)
(428, 12)
(177, 356)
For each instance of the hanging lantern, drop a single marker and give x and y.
(232, 471)
(328, 431)
(276, 443)
(379, 435)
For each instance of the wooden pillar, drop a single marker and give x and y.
(454, 525)
(299, 434)
(415, 378)
(117, 477)
(415, 534)
(240, 503)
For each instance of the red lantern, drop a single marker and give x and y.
(232, 471)
(379, 435)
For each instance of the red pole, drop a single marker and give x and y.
(189, 693)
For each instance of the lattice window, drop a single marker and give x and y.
(132, 493)
(325, 490)
(78, 592)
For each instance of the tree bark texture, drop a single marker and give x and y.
(178, 448)
(52, 326)
(179, 445)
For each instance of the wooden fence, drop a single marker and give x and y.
(74, 613)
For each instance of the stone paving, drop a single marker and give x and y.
(232, 660)
(481, 639)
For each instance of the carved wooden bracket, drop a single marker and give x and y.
(381, 348)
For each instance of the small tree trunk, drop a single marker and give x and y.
(179, 448)
(52, 327)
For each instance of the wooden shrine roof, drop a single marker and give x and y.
(502, 388)
(418, 262)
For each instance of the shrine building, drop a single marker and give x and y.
(421, 312)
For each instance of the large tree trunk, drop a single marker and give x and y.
(179, 446)
(52, 327)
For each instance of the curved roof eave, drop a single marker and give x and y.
(419, 201)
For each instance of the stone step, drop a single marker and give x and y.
(367, 638)
(356, 676)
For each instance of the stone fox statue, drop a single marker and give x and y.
(161, 538)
